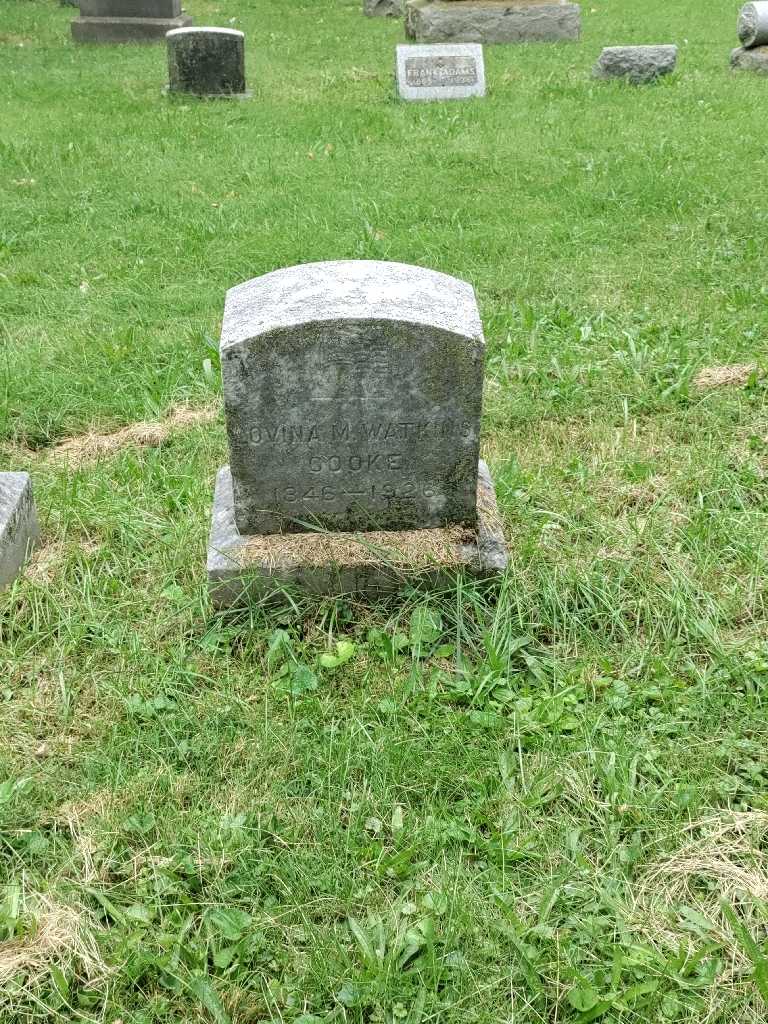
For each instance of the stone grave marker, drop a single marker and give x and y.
(492, 21)
(752, 29)
(353, 393)
(636, 64)
(19, 531)
(206, 62)
(383, 8)
(449, 71)
(127, 21)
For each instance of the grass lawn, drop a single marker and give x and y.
(551, 806)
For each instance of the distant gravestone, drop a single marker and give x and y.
(636, 64)
(450, 71)
(19, 531)
(492, 21)
(753, 24)
(206, 61)
(353, 394)
(127, 21)
(383, 8)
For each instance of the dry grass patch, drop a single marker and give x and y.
(145, 434)
(735, 376)
(54, 934)
(679, 902)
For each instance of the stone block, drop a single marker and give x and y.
(206, 61)
(126, 30)
(19, 531)
(492, 21)
(636, 64)
(752, 25)
(755, 59)
(443, 71)
(369, 565)
(383, 8)
(130, 8)
(353, 393)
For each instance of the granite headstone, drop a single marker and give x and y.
(636, 64)
(19, 531)
(127, 21)
(206, 61)
(353, 394)
(447, 71)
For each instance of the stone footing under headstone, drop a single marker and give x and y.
(19, 531)
(751, 60)
(491, 21)
(370, 565)
(126, 30)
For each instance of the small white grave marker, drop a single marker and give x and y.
(440, 71)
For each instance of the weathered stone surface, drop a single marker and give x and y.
(383, 8)
(755, 59)
(365, 564)
(206, 61)
(752, 26)
(353, 393)
(130, 8)
(491, 21)
(125, 30)
(444, 71)
(636, 64)
(19, 531)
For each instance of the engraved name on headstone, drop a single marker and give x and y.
(353, 393)
(441, 71)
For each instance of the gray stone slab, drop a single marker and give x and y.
(206, 61)
(19, 531)
(125, 30)
(636, 64)
(368, 565)
(353, 393)
(130, 8)
(383, 8)
(492, 21)
(751, 60)
(440, 71)
(752, 25)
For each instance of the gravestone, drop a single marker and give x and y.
(636, 64)
(383, 8)
(127, 21)
(492, 21)
(450, 71)
(353, 393)
(752, 25)
(206, 61)
(752, 28)
(19, 531)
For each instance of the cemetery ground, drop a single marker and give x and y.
(544, 804)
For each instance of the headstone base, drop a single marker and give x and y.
(491, 21)
(19, 531)
(126, 30)
(750, 60)
(369, 565)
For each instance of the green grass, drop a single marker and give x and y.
(551, 805)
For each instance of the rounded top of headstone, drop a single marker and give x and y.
(197, 30)
(348, 290)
